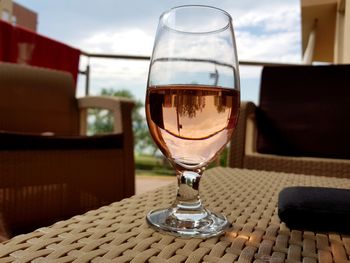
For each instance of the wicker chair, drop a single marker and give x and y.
(301, 124)
(48, 170)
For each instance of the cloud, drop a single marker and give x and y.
(266, 30)
(249, 72)
(133, 41)
(117, 73)
(270, 34)
(280, 47)
(285, 18)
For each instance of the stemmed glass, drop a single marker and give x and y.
(192, 106)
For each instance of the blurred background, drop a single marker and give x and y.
(115, 40)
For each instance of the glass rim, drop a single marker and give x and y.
(161, 19)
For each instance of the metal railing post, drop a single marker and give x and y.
(87, 80)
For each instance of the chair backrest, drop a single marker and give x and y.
(304, 111)
(37, 100)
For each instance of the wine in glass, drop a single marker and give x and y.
(192, 106)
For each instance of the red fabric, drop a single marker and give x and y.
(19, 45)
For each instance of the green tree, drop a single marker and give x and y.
(101, 121)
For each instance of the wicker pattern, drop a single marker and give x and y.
(119, 233)
(44, 179)
(302, 165)
(237, 146)
(243, 153)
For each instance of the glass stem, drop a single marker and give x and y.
(188, 191)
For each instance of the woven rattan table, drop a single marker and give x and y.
(119, 233)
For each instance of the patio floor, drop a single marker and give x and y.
(145, 183)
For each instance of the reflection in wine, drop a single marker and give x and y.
(191, 123)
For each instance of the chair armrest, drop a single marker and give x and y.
(250, 129)
(4, 231)
(114, 104)
(244, 137)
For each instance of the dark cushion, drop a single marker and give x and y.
(22, 141)
(304, 111)
(315, 208)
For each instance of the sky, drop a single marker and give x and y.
(265, 30)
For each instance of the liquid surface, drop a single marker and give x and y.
(191, 123)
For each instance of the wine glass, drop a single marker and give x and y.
(192, 107)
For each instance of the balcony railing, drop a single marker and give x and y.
(86, 72)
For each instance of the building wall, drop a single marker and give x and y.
(342, 38)
(346, 46)
(332, 29)
(6, 10)
(24, 17)
(319, 17)
(339, 36)
(17, 14)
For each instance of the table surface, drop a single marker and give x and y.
(119, 233)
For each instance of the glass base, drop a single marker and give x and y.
(202, 223)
